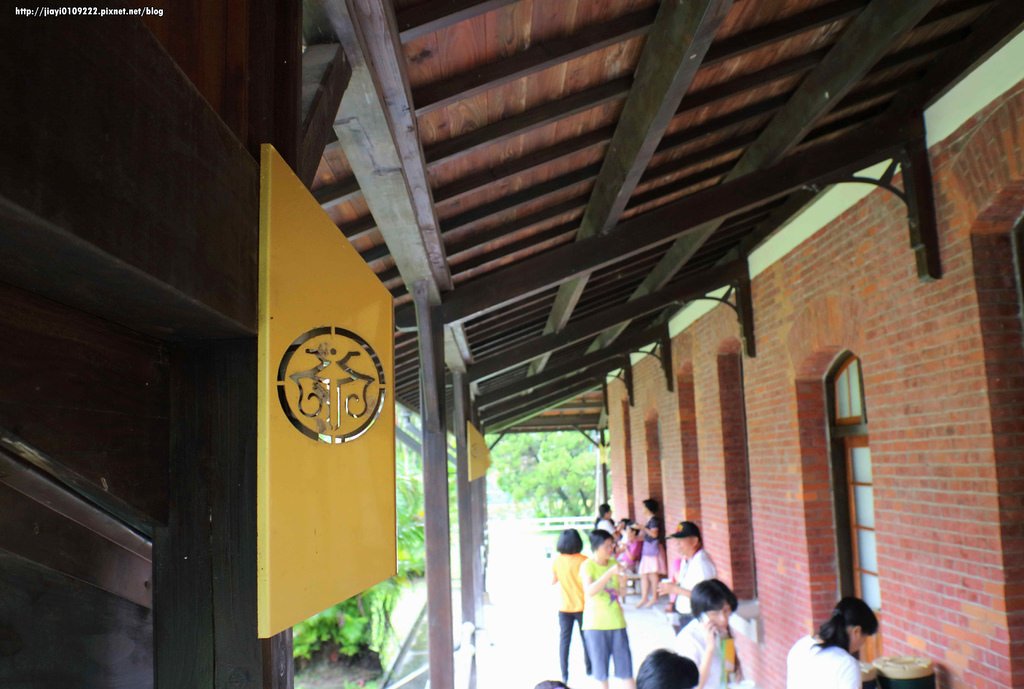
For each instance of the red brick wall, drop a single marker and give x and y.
(690, 455)
(942, 366)
(620, 459)
(734, 459)
(1000, 311)
(652, 448)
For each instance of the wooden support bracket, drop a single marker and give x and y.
(918, 195)
(665, 345)
(627, 374)
(921, 221)
(745, 311)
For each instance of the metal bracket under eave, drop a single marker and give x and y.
(917, 194)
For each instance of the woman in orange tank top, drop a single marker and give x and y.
(566, 573)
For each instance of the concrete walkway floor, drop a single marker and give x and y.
(518, 641)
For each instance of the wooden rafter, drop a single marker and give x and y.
(706, 97)
(532, 60)
(694, 286)
(510, 417)
(554, 423)
(865, 41)
(844, 154)
(629, 26)
(615, 351)
(378, 131)
(325, 74)
(675, 48)
(379, 136)
(428, 17)
(550, 389)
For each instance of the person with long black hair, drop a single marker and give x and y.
(565, 571)
(652, 556)
(604, 519)
(707, 640)
(825, 660)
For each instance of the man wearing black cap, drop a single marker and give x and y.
(697, 567)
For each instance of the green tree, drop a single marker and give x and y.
(547, 474)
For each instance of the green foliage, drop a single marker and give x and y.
(344, 624)
(547, 474)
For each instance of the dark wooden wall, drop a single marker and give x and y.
(90, 393)
(128, 283)
(56, 631)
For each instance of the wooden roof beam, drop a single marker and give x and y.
(695, 286)
(429, 17)
(534, 59)
(539, 405)
(1003, 21)
(468, 242)
(672, 55)
(379, 137)
(588, 378)
(534, 118)
(864, 42)
(480, 80)
(554, 423)
(325, 74)
(378, 131)
(849, 152)
(628, 344)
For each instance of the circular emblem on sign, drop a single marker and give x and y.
(331, 385)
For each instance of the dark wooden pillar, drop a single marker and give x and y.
(435, 490)
(204, 570)
(467, 518)
(480, 489)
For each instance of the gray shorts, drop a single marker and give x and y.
(605, 644)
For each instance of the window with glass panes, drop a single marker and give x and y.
(853, 487)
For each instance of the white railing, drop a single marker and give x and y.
(540, 524)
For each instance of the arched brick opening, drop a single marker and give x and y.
(624, 504)
(652, 449)
(995, 242)
(816, 482)
(690, 456)
(737, 469)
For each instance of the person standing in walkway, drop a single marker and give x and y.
(697, 567)
(566, 573)
(707, 639)
(652, 556)
(825, 660)
(604, 625)
(604, 519)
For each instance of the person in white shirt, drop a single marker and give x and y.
(707, 639)
(697, 567)
(826, 661)
(604, 519)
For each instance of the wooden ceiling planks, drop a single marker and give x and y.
(515, 114)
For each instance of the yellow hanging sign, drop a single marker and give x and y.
(479, 455)
(326, 446)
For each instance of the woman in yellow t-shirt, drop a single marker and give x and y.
(604, 625)
(566, 573)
